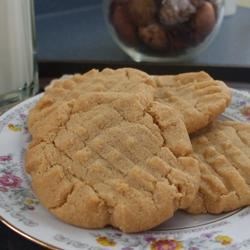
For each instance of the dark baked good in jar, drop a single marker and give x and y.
(204, 21)
(142, 12)
(123, 24)
(174, 12)
(154, 36)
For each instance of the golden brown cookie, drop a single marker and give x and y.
(127, 80)
(197, 96)
(223, 151)
(109, 158)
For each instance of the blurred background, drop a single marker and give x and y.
(75, 30)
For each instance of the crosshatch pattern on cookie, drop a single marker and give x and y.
(197, 96)
(224, 154)
(112, 159)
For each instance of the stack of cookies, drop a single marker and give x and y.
(126, 149)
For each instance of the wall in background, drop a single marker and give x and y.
(43, 7)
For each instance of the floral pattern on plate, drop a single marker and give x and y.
(204, 241)
(19, 207)
(12, 186)
(240, 107)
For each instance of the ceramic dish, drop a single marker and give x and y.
(21, 211)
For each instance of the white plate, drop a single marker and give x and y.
(22, 212)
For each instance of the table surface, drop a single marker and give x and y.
(80, 33)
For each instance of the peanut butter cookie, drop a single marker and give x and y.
(125, 80)
(223, 150)
(197, 96)
(109, 158)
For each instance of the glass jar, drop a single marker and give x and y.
(163, 30)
